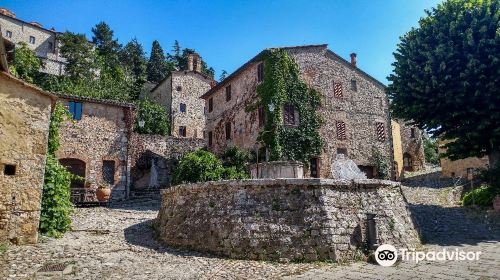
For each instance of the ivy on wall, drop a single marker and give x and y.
(56, 206)
(282, 85)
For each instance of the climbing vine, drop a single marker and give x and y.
(56, 206)
(282, 85)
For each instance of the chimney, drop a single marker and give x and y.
(7, 12)
(353, 59)
(190, 62)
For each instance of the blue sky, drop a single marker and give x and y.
(228, 33)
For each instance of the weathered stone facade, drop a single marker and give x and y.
(24, 127)
(96, 145)
(286, 219)
(180, 94)
(43, 42)
(458, 168)
(412, 141)
(161, 153)
(362, 107)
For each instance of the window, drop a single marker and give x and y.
(75, 109)
(32, 40)
(210, 104)
(210, 135)
(412, 132)
(8, 34)
(262, 116)
(228, 93)
(260, 72)
(354, 85)
(108, 171)
(228, 131)
(289, 114)
(182, 108)
(407, 162)
(182, 131)
(9, 169)
(380, 130)
(337, 90)
(314, 172)
(179, 88)
(342, 151)
(341, 131)
(51, 46)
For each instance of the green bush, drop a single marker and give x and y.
(154, 116)
(56, 206)
(492, 177)
(482, 196)
(235, 160)
(431, 151)
(198, 166)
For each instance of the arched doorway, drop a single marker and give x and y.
(76, 167)
(407, 162)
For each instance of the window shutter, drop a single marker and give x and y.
(380, 129)
(341, 131)
(337, 90)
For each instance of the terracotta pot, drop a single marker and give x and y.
(103, 194)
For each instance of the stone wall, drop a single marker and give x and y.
(412, 143)
(46, 44)
(285, 219)
(360, 108)
(163, 151)
(458, 168)
(24, 126)
(101, 135)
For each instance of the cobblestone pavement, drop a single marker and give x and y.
(118, 243)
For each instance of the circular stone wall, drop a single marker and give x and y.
(285, 219)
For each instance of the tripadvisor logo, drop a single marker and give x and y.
(387, 255)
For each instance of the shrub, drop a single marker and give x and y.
(236, 159)
(56, 206)
(198, 166)
(482, 196)
(154, 116)
(380, 163)
(492, 177)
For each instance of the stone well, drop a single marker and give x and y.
(286, 219)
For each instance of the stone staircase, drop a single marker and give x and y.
(146, 194)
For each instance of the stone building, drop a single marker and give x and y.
(180, 94)
(408, 147)
(44, 42)
(95, 145)
(461, 167)
(24, 127)
(354, 109)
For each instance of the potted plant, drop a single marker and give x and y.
(103, 192)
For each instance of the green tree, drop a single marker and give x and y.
(157, 67)
(431, 151)
(80, 56)
(154, 116)
(235, 161)
(108, 49)
(446, 77)
(223, 75)
(198, 166)
(26, 64)
(56, 206)
(134, 62)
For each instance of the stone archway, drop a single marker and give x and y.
(407, 162)
(76, 167)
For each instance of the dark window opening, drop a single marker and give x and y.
(341, 130)
(75, 109)
(51, 46)
(262, 116)
(260, 72)
(9, 169)
(380, 130)
(228, 93)
(342, 151)
(179, 88)
(32, 40)
(76, 167)
(210, 135)
(289, 114)
(228, 131)
(182, 108)
(407, 162)
(210, 105)
(108, 171)
(354, 85)
(314, 166)
(337, 90)
(8, 34)
(412, 130)
(368, 170)
(182, 131)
